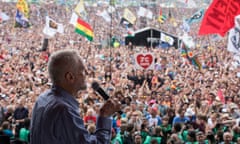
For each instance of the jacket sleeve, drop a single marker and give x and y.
(74, 132)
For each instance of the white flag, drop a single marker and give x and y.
(49, 32)
(52, 27)
(73, 19)
(3, 16)
(105, 16)
(166, 38)
(52, 24)
(80, 9)
(236, 61)
(234, 40)
(188, 40)
(234, 37)
(143, 12)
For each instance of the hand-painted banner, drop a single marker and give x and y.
(219, 17)
(144, 61)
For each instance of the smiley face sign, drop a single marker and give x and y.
(144, 61)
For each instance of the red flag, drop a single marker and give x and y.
(219, 18)
(160, 11)
(220, 96)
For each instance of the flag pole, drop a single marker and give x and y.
(111, 3)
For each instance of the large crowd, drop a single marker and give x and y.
(172, 103)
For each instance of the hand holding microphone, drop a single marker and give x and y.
(111, 106)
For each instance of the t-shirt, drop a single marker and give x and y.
(150, 138)
(8, 132)
(23, 134)
(90, 119)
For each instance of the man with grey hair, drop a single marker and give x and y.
(56, 116)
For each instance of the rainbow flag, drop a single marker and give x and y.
(189, 56)
(197, 64)
(184, 53)
(84, 29)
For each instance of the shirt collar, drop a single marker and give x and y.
(66, 96)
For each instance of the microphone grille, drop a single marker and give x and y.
(95, 85)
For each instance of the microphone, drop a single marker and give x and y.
(100, 91)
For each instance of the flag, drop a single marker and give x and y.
(129, 16)
(84, 29)
(3, 17)
(104, 14)
(196, 63)
(52, 27)
(219, 17)
(188, 41)
(143, 12)
(189, 56)
(160, 11)
(162, 18)
(220, 96)
(111, 9)
(73, 19)
(236, 61)
(21, 20)
(234, 37)
(125, 23)
(166, 38)
(185, 26)
(22, 6)
(234, 40)
(196, 17)
(80, 9)
(184, 51)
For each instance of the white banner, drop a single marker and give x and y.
(166, 38)
(143, 12)
(73, 19)
(104, 14)
(234, 37)
(52, 27)
(234, 41)
(144, 61)
(4, 17)
(188, 40)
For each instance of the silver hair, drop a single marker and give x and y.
(61, 62)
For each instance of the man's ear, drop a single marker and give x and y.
(69, 76)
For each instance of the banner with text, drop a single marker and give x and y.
(144, 61)
(219, 17)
